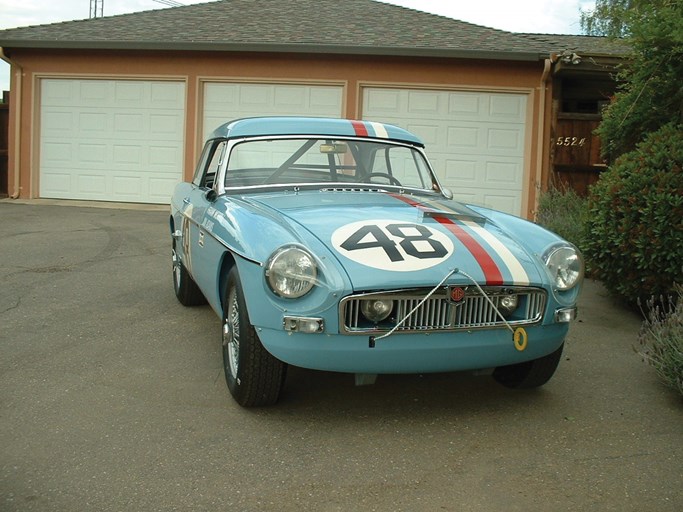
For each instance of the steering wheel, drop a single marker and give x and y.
(392, 180)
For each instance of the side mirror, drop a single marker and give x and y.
(211, 195)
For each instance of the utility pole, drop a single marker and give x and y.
(96, 8)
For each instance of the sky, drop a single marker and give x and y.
(536, 16)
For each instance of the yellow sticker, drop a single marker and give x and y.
(520, 338)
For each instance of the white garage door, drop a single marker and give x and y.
(227, 101)
(475, 140)
(111, 140)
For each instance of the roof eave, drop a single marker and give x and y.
(276, 48)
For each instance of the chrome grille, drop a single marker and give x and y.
(439, 313)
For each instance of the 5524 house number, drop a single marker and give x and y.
(570, 141)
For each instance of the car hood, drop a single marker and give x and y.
(386, 240)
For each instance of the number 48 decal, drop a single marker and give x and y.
(410, 243)
(391, 245)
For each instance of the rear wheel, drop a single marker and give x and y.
(186, 290)
(253, 375)
(530, 374)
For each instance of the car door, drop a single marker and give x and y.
(193, 209)
(203, 251)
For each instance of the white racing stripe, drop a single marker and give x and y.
(380, 130)
(519, 275)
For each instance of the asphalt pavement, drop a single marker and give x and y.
(113, 399)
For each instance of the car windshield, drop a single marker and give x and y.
(287, 161)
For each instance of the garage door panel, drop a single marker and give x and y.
(464, 138)
(92, 184)
(487, 107)
(475, 140)
(164, 123)
(289, 96)
(503, 174)
(464, 105)
(163, 158)
(502, 139)
(226, 101)
(465, 195)
(221, 96)
(59, 182)
(131, 93)
(482, 170)
(119, 135)
(502, 202)
(325, 100)
(463, 170)
(128, 186)
(92, 124)
(382, 102)
(130, 124)
(56, 121)
(124, 184)
(57, 92)
(59, 153)
(95, 93)
(507, 107)
(424, 103)
(255, 95)
(126, 154)
(166, 95)
(430, 134)
(508, 141)
(92, 154)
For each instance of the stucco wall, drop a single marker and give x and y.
(353, 72)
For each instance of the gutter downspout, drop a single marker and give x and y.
(541, 127)
(15, 98)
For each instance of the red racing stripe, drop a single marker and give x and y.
(360, 128)
(409, 201)
(491, 271)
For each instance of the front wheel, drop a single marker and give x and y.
(253, 375)
(530, 374)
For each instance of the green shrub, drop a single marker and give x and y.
(564, 212)
(634, 237)
(661, 339)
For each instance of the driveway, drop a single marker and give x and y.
(113, 399)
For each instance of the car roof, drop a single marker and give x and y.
(285, 125)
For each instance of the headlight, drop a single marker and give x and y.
(291, 272)
(508, 304)
(376, 310)
(565, 266)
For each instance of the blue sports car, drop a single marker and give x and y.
(330, 244)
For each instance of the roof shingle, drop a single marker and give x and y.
(331, 26)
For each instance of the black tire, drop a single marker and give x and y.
(254, 377)
(530, 374)
(186, 290)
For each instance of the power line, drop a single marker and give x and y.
(97, 6)
(170, 3)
